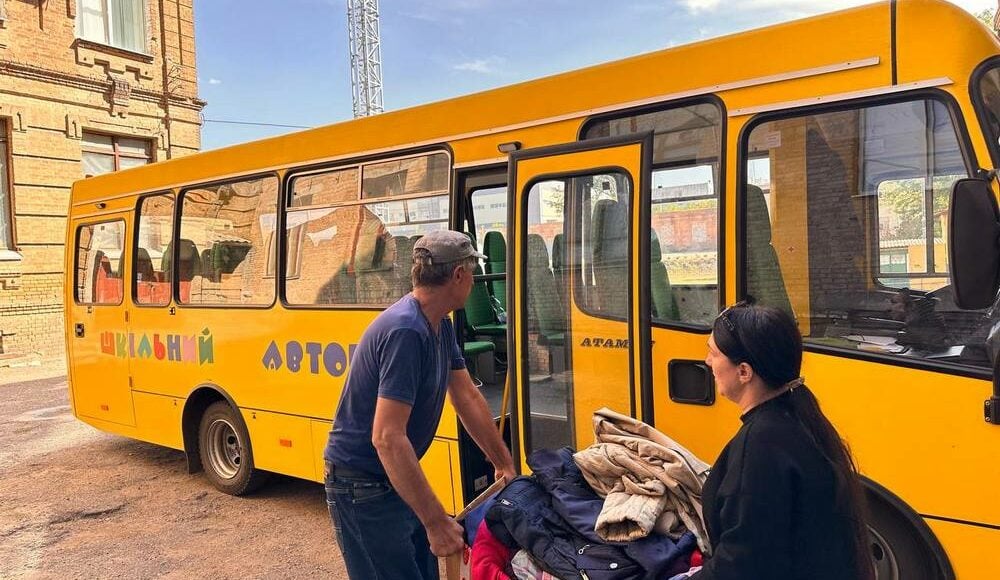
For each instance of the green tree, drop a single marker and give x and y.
(902, 207)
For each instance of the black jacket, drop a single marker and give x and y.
(769, 505)
(552, 515)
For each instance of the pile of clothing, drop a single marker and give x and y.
(629, 506)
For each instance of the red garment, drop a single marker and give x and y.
(696, 558)
(490, 558)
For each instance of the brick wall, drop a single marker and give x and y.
(53, 88)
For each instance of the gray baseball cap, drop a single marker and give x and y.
(447, 246)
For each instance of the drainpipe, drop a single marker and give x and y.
(166, 74)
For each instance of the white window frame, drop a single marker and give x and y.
(109, 39)
(116, 153)
(6, 189)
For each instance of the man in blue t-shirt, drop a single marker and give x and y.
(387, 521)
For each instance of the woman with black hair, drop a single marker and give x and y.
(783, 500)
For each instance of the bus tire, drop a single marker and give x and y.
(225, 451)
(902, 545)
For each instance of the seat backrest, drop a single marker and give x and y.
(664, 301)
(558, 253)
(764, 280)
(560, 267)
(144, 271)
(544, 299)
(188, 260)
(495, 249)
(610, 253)
(226, 256)
(100, 270)
(208, 269)
(478, 309)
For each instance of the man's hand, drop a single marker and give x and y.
(507, 472)
(445, 536)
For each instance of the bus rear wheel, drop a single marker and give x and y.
(902, 547)
(225, 451)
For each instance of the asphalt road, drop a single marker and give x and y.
(79, 503)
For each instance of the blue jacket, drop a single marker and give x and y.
(553, 516)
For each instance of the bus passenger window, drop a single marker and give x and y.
(358, 254)
(684, 251)
(325, 188)
(684, 246)
(343, 250)
(99, 263)
(846, 217)
(489, 206)
(414, 175)
(222, 247)
(156, 226)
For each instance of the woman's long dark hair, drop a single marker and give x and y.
(769, 341)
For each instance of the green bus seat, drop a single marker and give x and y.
(495, 249)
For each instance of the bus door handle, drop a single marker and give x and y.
(78, 330)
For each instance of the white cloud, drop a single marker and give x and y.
(700, 5)
(214, 81)
(479, 65)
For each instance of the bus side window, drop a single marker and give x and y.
(348, 242)
(222, 249)
(856, 203)
(152, 271)
(99, 262)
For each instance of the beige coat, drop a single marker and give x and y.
(648, 480)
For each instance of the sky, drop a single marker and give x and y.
(287, 62)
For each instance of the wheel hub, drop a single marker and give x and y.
(224, 449)
(886, 566)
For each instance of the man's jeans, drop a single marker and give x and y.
(378, 534)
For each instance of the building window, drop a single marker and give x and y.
(6, 215)
(106, 153)
(118, 23)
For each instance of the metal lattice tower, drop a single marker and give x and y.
(366, 57)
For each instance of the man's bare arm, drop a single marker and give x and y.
(478, 421)
(401, 465)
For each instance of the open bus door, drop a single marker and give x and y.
(571, 287)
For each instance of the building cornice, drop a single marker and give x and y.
(92, 84)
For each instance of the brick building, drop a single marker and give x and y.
(86, 87)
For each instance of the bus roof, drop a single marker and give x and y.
(856, 33)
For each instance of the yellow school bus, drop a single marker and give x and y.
(213, 301)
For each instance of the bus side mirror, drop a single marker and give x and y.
(974, 244)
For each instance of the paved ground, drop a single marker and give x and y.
(79, 503)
